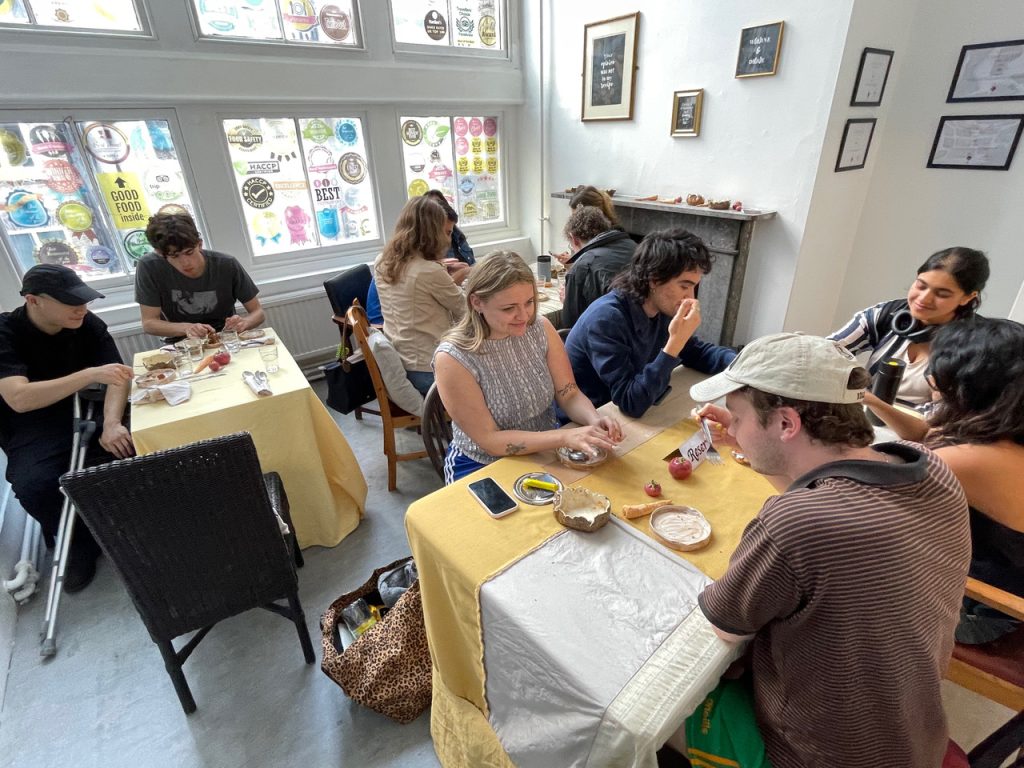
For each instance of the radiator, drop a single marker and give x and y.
(302, 320)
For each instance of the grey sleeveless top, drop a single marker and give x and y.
(514, 377)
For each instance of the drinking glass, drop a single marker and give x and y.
(231, 341)
(268, 354)
(195, 348)
(183, 365)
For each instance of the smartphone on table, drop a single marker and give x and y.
(492, 497)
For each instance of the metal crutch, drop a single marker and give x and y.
(83, 432)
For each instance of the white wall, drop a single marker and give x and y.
(204, 81)
(911, 211)
(760, 138)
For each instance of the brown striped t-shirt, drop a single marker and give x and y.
(852, 580)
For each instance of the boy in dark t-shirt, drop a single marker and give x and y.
(184, 290)
(50, 348)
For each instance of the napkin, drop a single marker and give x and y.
(257, 382)
(174, 392)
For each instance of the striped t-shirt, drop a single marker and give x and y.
(852, 580)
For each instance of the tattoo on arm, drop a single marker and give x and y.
(568, 389)
(514, 448)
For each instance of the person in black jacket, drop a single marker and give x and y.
(599, 253)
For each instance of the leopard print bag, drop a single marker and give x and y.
(387, 668)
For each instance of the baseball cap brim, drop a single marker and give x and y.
(76, 295)
(715, 388)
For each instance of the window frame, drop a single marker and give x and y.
(33, 27)
(204, 39)
(107, 115)
(304, 255)
(421, 49)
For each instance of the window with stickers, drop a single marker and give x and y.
(80, 192)
(303, 182)
(472, 25)
(459, 155)
(73, 15)
(308, 22)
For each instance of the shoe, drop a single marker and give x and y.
(80, 570)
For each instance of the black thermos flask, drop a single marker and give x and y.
(886, 383)
(544, 267)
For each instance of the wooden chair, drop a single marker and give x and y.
(343, 290)
(193, 535)
(392, 416)
(437, 429)
(996, 671)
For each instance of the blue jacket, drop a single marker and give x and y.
(616, 354)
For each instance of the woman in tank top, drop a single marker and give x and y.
(947, 288)
(501, 370)
(977, 427)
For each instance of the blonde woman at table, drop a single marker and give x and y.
(501, 370)
(947, 288)
(418, 297)
(977, 428)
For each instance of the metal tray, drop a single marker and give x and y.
(535, 496)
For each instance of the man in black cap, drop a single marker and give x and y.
(50, 348)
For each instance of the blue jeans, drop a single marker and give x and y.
(421, 380)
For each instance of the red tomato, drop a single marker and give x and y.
(652, 489)
(680, 468)
(223, 357)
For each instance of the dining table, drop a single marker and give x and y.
(553, 646)
(294, 435)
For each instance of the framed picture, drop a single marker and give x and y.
(871, 77)
(976, 142)
(853, 149)
(989, 72)
(609, 68)
(686, 109)
(759, 50)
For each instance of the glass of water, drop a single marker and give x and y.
(195, 348)
(268, 354)
(231, 341)
(183, 365)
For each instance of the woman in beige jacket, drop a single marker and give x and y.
(419, 299)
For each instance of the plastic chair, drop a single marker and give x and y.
(563, 333)
(996, 671)
(193, 535)
(343, 291)
(437, 429)
(392, 416)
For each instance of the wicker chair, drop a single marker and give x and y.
(392, 416)
(437, 429)
(193, 558)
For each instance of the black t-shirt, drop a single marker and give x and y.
(27, 351)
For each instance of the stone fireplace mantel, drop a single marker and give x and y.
(727, 234)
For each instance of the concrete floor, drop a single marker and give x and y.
(105, 700)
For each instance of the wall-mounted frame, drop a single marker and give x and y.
(976, 142)
(759, 50)
(872, 75)
(609, 68)
(853, 149)
(989, 72)
(686, 111)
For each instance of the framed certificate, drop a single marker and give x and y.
(989, 72)
(853, 149)
(871, 77)
(976, 142)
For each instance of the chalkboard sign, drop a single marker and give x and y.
(686, 111)
(759, 50)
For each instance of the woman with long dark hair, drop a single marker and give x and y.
(977, 427)
(947, 287)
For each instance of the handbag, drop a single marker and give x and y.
(387, 668)
(349, 385)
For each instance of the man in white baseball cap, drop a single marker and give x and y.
(848, 583)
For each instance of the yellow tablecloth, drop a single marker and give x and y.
(294, 436)
(457, 547)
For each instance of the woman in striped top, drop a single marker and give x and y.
(501, 370)
(947, 288)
